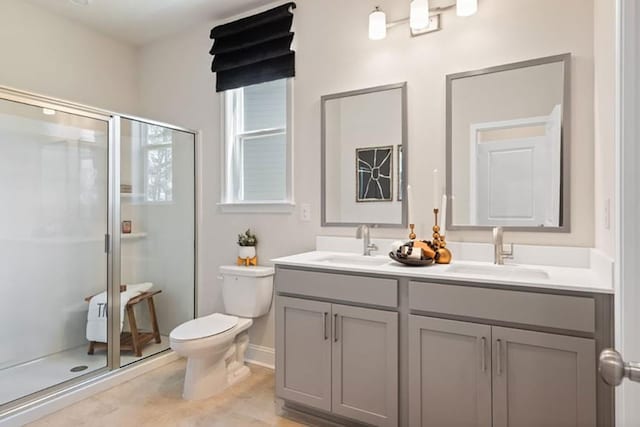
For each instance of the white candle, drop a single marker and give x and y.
(436, 189)
(443, 216)
(410, 204)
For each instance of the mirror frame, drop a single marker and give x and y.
(565, 161)
(405, 154)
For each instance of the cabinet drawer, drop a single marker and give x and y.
(358, 289)
(546, 310)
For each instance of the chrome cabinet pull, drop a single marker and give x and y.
(483, 355)
(335, 327)
(499, 356)
(324, 325)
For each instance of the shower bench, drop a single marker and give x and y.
(136, 339)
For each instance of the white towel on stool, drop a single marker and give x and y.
(97, 315)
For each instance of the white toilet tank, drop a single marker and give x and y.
(247, 291)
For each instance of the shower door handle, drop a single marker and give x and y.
(107, 243)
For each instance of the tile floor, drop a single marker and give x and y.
(27, 378)
(154, 399)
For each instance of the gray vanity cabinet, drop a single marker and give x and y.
(450, 366)
(365, 365)
(542, 379)
(303, 364)
(480, 375)
(387, 351)
(338, 358)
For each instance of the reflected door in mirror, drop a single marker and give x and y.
(505, 145)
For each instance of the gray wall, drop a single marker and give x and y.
(51, 55)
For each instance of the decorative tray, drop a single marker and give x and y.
(411, 261)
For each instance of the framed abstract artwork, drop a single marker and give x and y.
(374, 174)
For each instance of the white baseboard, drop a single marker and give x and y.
(262, 356)
(64, 398)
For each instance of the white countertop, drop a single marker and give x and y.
(595, 276)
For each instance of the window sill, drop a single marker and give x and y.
(257, 207)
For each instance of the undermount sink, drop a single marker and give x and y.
(504, 271)
(369, 261)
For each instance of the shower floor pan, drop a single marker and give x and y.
(31, 377)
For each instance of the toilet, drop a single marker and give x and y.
(215, 345)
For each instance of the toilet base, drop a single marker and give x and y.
(205, 377)
(210, 375)
(240, 374)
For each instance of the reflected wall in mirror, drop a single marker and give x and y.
(364, 142)
(507, 146)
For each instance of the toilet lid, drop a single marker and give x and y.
(203, 327)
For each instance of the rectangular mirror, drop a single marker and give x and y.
(364, 148)
(508, 146)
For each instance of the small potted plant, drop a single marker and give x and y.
(247, 242)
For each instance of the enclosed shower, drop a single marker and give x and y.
(97, 242)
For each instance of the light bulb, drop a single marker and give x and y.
(377, 25)
(419, 14)
(466, 7)
(48, 112)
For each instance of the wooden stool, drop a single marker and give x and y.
(135, 339)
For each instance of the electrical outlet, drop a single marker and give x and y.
(305, 212)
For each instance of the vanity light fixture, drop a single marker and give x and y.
(466, 7)
(422, 18)
(419, 14)
(377, 24)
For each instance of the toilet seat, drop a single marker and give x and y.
(203, 327)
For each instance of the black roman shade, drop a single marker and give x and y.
(255, 49)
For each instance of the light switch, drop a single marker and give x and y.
(305, 212)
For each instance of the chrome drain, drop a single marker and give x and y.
(79, 368)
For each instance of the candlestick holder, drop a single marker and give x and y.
(439, 242)
(412, 234)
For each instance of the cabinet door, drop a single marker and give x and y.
(303, 352)
(365, 365)
(543, 379)
(449, 373)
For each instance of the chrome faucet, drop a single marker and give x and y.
(362, 232)
(499, 254)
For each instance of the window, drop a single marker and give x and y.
(157, 148)
(257, 149)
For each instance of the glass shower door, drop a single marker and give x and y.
(53, 265)
(157, 245)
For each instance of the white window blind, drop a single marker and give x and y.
(264, 163)
(257, 151)
(265, 106)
